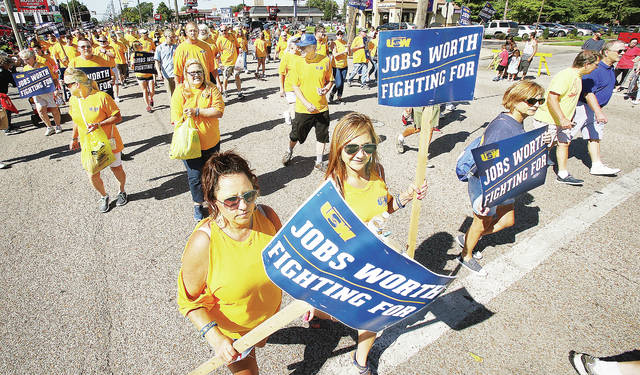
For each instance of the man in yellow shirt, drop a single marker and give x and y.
(88, 60)
(45, 102)
(360, 51)
(227, 46)
(120, 50)
(267, 39)
(312, 80)
(64, 52)
(107, 52)
(261, 54)
(193, 48)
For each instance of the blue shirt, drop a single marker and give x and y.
(600, 82)
(164, 54)
(502, 127)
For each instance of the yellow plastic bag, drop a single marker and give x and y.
(96, 152)
(185, 143)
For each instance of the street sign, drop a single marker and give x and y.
(157, 17)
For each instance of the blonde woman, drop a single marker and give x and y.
(91, 109)
(200, 99)
(354, 167)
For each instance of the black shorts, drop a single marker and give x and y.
(303, 122)
(501, 68)
(145, 78)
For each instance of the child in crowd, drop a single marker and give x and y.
(514, 63)
(504, 61)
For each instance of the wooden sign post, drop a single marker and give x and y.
(283, 317)
(430, 117)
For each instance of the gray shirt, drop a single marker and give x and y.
(593, 45)
(164, 54)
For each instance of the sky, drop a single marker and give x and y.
(100, 6)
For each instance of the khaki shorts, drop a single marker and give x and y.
(45, 101)
(229, 71)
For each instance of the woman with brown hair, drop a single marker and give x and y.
(354, 167)
(200, 99)
(222, 286)
(145, 80)
(521, 100)
(90, 109)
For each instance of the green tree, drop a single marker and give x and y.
(329, 8)
(237, 8)
(132, 14)
(163, 9)
(76, 8)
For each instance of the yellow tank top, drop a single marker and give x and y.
(238, 292)
(370, 201)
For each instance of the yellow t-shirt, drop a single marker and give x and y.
(321, 48)
(198, 50)
(64, 54)
(243, 43)
(49, 63)
(359, 56)
(282, 45)
(287, 64)
(148, 45)
(568, 84)
(95, 107)
(267, 36)
(208, 128)
(309, 76)
(228, 49)
(261, 48)
(340, 61)
(244, 297)
(370, 201)
(119, 49)
(95, 62)
(111, 60)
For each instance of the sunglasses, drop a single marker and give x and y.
(620, 51)
(233, 202)
(84, 47)
(196, 73)
(68, 85)
(533, 101)
(368, 148)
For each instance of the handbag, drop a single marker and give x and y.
(239, 65)
(96, 152)
(185, 142)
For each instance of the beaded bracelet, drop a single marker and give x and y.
(207, 327)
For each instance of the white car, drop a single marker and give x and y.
(501, 27)
(526, 29)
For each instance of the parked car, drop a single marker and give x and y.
(394, 26)
(526, 29)
(589, 26)
(556, 29)
(501, 27)
(620, 29)
(580, 31)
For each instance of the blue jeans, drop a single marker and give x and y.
(374, 68)
(194, 172)
(359, 68)
(244, 55)
(340, 75)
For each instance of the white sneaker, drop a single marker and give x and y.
(58, 129)
(49, 131)
(603, 170)
(3, 166)
(118, 99)
(635, 102)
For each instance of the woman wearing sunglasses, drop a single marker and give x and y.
(353, 166)
(200, 99)
(521, 100)
(222, 286)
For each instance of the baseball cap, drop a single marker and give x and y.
(307, 40)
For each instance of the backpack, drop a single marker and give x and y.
(465, 165)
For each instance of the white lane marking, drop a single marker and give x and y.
(401, 342)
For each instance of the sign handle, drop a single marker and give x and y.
(426, 125)
(280, 319)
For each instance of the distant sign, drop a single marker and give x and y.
(32, 6)
(191, 3)
(225, 15)
(487, 12)
(326, 256)
(157, 17)
(54, 28)
(427, 67)
(511, 167)
(361, 4)
(465, 16)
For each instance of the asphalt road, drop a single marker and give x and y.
(91, 293)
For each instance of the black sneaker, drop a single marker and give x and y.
(570, 180)
(121, 199)
(104, 204)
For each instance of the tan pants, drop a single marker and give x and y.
(171, 85)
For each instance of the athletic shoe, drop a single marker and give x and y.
(460, 240)
(121, 199)
(350, 84)
(58, 129)
(603, 170)
(496, 79)
(635, 102)
(225, 95)
(362, 370)
(49, 131)
(582, 363)
(149, 109)
(286, 158)
(399, 146)
(104, 204)
(472, 265)
(331, 98)
(320, 167)
(570, 180)
(240, 95)
(151, 102)
(4, 166)
(118, 99)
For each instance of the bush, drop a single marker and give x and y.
(501, 36)
(487, 36)
(545, 33)
(517, 39)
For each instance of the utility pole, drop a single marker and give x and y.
(140, 12)
(539, 14)
(175, 4)
(9, 6)
(506, 6)
(121, 19)
(420, 18)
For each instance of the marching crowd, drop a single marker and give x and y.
(196, 63)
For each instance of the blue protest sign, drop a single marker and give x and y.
(327, 257)
(511, 167)
(360, 4)
(101, 75)
(34, 82)
(427, 67)
(465, 16)
(487, 12)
